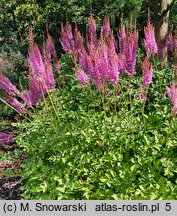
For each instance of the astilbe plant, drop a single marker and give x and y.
(92, 29)
(40, 78)
(98, 58)
(16, 104)
(147, 72)
(128, 44)
(66, 39)
(10, 91)
(51, 53)
(150, 41)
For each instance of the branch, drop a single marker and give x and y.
(169, 6)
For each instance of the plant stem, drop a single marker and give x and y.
(159, 77)
(116, 90)
(143, 107)
(53, 106)
(15, 109)
(131, 114)
(130, 96)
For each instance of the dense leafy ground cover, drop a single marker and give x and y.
(81, 144)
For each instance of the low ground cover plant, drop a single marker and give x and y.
(91, 150)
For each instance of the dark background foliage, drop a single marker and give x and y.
(17, 15)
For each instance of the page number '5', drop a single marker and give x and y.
(168, 207)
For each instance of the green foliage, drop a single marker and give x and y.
(89, 146)
(17, 15)
(173, 15)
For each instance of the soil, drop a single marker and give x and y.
(10, 186)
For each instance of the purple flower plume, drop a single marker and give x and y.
(36, 62)
(50, 46)
(49, 77)
(34, 92)
(51, 52)
(122, 63)
(92, 29)
(41, 75)
(7, 86)
(147, 71)
(79, 41)
(49, 80)
(66, 38)
(5, 138)
(172, 45)
(172, 94)
(16, 104)
(130, 52)
(150, 41)
(128, 44)
(28, 98)
(122, 39)
(170, 41)
(9, 92)
(82, 77)
(96, 56)
(113, 64)
(105, 29)
(40, 79)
